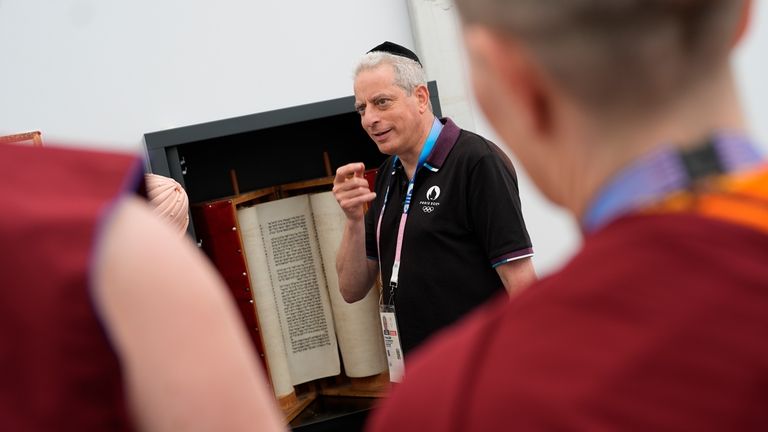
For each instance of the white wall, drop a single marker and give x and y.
(751, 64)
(101, 73)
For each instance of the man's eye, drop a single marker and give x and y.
(360, 110)
(383, 102)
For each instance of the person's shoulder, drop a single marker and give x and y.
(625, 250)
(162, 302)
(138, 249)
(508, 363)
(480, 155)
(473, 141)
(473, 148)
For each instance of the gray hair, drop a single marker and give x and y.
(408, 73)
(617, 54)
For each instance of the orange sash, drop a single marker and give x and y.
(738, 198)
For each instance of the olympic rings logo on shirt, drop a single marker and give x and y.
(428, 209)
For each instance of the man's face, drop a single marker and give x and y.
(391, 117)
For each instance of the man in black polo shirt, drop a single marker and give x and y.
(455, 191)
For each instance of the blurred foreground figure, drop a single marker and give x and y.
(625, 113)
(110, 320)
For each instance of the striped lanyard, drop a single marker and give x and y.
(666, 172)
(425, 151)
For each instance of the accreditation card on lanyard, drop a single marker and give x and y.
(387, 311)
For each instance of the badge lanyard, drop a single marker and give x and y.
(390, 330)
(668, 171)
(428, 145)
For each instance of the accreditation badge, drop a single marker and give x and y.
(392, 343)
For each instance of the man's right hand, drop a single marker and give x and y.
(351, 190)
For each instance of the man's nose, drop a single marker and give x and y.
(370, 118)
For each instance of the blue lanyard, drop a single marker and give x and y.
(662, 173)
(434, 133)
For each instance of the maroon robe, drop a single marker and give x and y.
(57, 369)
(659, 323)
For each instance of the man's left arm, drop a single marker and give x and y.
(498, 220)
(517, 275)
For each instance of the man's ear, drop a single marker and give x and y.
(422, 95)
(746, 15)
(516, 74)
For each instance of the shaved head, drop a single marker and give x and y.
(617, 54)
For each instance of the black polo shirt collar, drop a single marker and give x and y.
(443, 146)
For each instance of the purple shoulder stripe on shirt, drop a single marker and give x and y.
(445, 142)
(736, 151)
(511, 256)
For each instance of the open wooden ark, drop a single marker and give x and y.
(247, 257)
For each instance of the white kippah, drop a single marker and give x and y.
(168, 200)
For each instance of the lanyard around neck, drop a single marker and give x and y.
(667, 171)
(425, 151)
